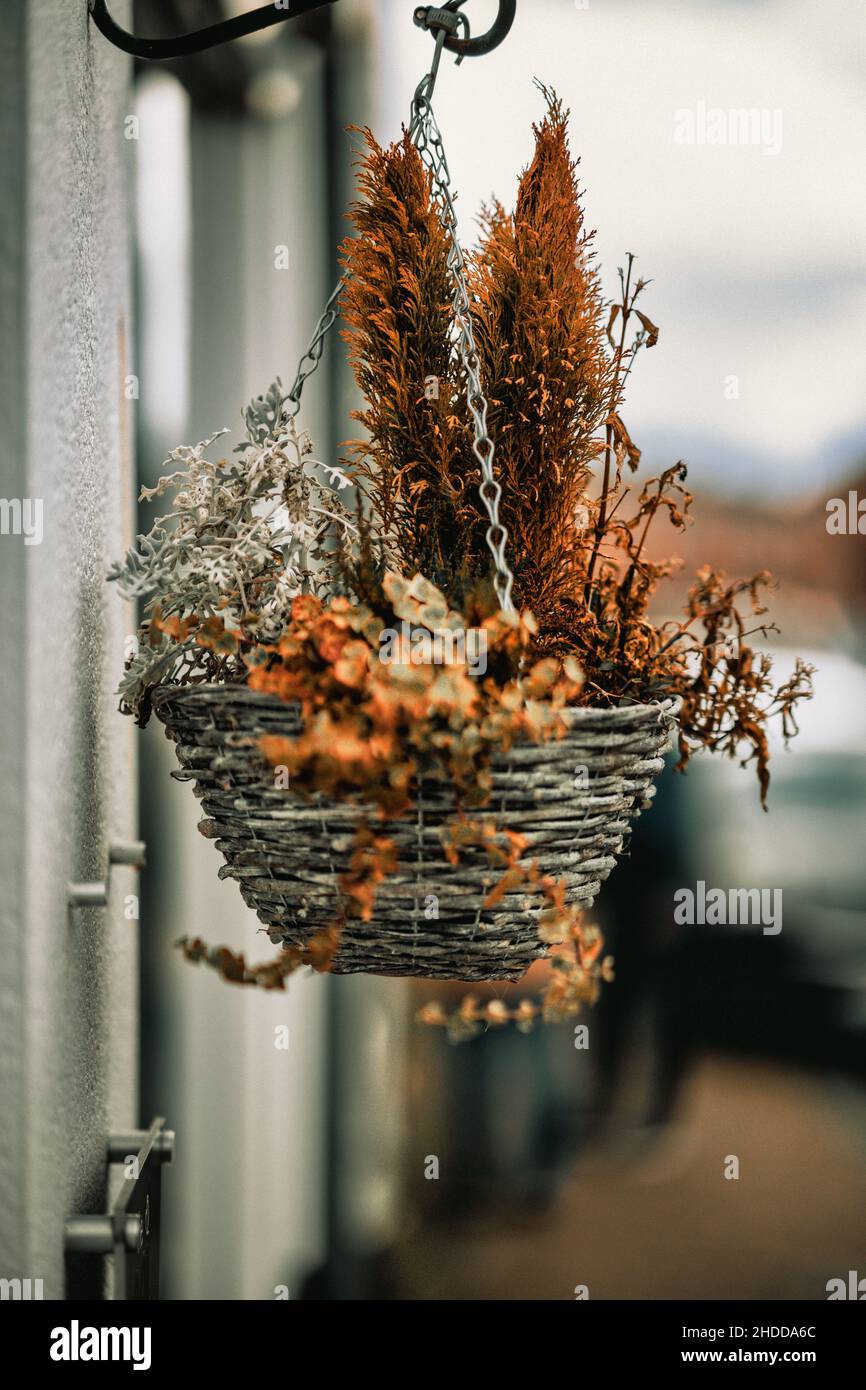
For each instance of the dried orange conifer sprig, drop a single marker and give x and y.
(416, 461)
(539, 321)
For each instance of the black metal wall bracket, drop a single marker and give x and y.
(184, 44)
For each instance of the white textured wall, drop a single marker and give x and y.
(67, 984)
(244, 1209)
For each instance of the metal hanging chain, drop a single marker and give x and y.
(314, 350)
(427, 138)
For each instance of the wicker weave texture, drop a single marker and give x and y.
(572, 798)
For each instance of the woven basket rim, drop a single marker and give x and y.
(575, 714)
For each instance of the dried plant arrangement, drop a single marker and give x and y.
(371, 723)
(555, 360)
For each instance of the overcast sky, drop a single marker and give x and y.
(757, 250)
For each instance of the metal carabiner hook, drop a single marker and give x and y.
(431, 17)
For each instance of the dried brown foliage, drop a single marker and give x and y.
(539, 328)
(396, 307)
(555, 361)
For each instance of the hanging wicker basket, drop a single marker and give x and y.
(573, 798)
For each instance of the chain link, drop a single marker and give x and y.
(314, 351)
